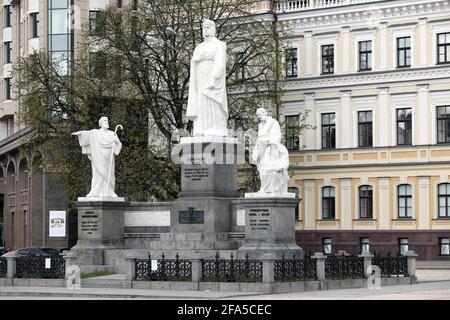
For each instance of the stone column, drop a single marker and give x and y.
(346, 118)
(346, 204)
(367, 262)
(309, 215)
(383, 64)
(309, 53)
(411, 256)
(320, 265)
(130, 269)
(423, 219)
(382, 118)
(268, 268)
(384, 218)
(11, 259)
(345, 49)
(423, 43)
(310, 134)
(422, 123)
(197, 271)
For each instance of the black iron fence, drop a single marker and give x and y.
(40, 267)
(231, 270)
(163, 269)
(3, 267)
(391, 266)
(342, 267)
(295, 269)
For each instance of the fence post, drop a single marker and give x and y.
(268, 268)
(411, 256)
(320, 265)
(130, 269)
(196, 269)
(11, 262)
(367, 256)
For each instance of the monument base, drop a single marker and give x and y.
(269, 228)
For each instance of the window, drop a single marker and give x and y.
(404, 127)
(404, 201)
(35, 25)
(404, 52)
(8, 16)
(292, 138)
(443, 47)
(444, 200)
(97, 64)
(291, 62)
(328, 203)
(135, 4)
(403, 245)
(60, 39)
(365, 129)
(328, 131)
(443, 124)
(96, 26)
(444, 246)
(365, 55)
(297, 195)
(327, 59)
(119, 3)
(364, 245)
(240, 66)
(8, 88)
(8, 52)
(326, 246)
(365, 202)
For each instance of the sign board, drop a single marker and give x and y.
(191, 216)
(57, 224)
(48, 263)
(154, 265)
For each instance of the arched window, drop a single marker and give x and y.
(365, 202)
(297, 195)
(444, 200)
(404, 201)
(328, 203)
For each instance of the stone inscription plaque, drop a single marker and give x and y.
(191, 216)
(259, 219)
(89, 223)
(196, 173)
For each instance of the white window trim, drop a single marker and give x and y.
(319, 205)
(356, 110)
(293, 44)
(437, 99)
(326, 40)
(413, 194)
(363, 36)
(319, 112)
(357, 214)
(394, 123)
(399, 32)
(442, 27)
(436, 197)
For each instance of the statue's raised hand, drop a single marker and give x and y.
(76, 133)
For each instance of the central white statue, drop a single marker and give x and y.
(207, 102)
(101, 145)
(271, 156)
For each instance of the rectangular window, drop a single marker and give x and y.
(403, 245)
(8, 89)
(443, 124)
(8, 52)
(404, 126)
(443, 47)
(365, 55)
(327, 59)
(365, 134)
(328, 203)
(365, 202)
(297, 195)
(96, 26)
(97, 64)
(8, 16)
(326, 245)
(119, 3)
(291, 63)
(364, 245)
(444, 200)
(328, 131)
(404, 198)
(292, 137)
(404, 52)
(444, 246)
(35, 25)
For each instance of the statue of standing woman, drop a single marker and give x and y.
(207, 103)
(101, 145)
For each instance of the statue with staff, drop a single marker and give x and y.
(101, 145)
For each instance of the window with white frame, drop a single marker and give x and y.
(364, 245)
(365, 55)
(327, 54)
(365, 202)
(444, 200)
(403, 245)
(328, 203)
(365, 130)
(328, 130)
(404, 126)
(444, 246)
(404, 201)
(291, 63)
(443, 48)
(403, 52)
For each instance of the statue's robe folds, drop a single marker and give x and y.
(207, 101)
(272, 158)
(97, 144)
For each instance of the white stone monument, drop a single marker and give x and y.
(207, 102)
(101, 145)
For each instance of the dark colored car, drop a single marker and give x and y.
(51, 251)
(32, 252)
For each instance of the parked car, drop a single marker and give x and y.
(51, 251)
(32, 252)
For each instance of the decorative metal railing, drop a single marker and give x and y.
(295, 269)
(163, 269)
(3, 267)
(35, 267)
(300, 5)
(231, 270)
(391, 266)
(344, 267)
